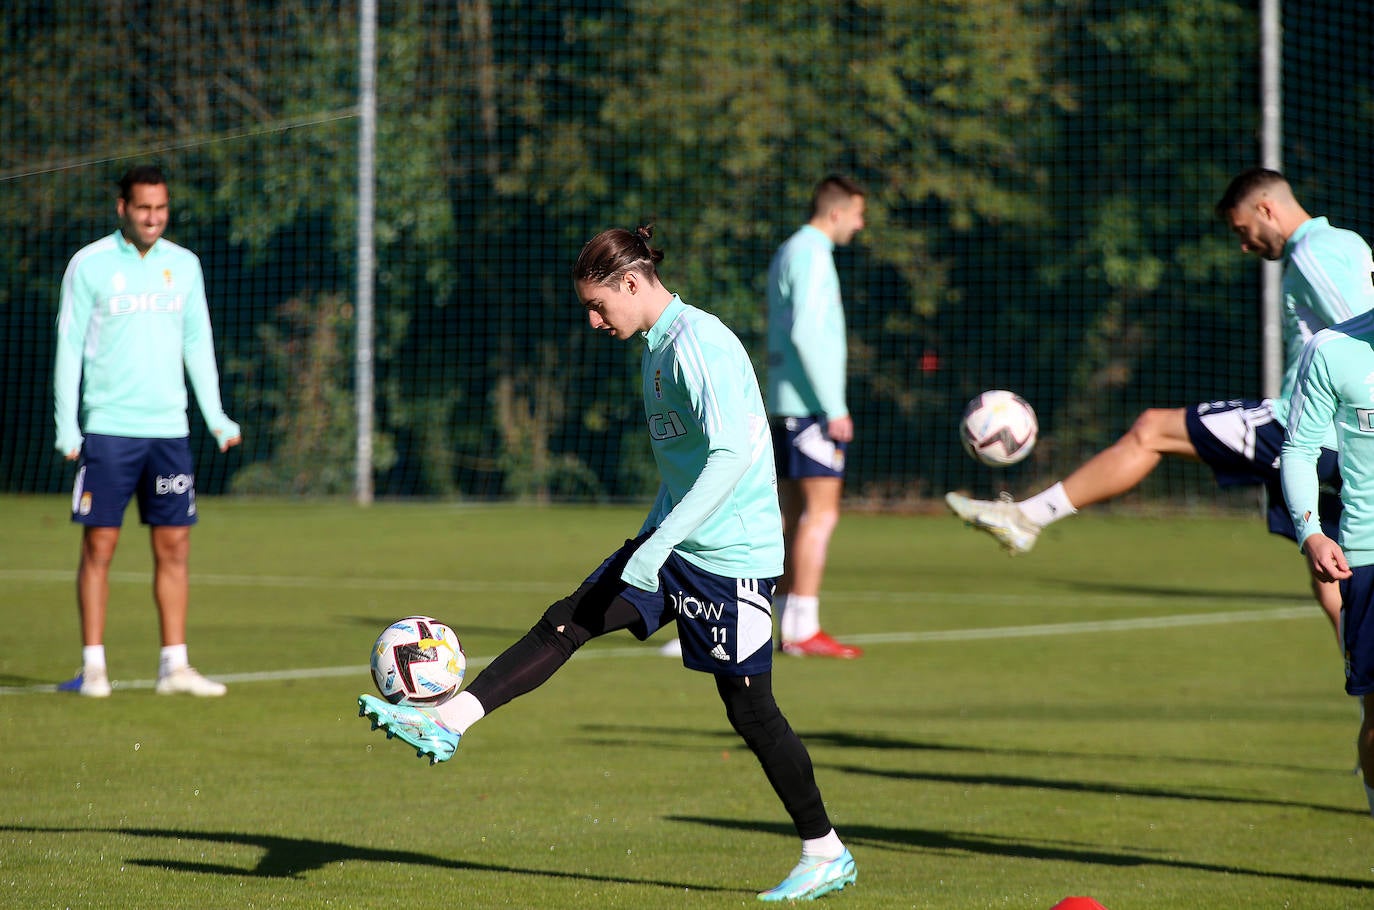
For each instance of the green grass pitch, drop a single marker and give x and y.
(1147, 711)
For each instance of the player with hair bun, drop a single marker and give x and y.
(705, 559)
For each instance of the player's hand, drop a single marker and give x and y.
(73, 455)
(840, 429)
(227, 433)
(1325, 558)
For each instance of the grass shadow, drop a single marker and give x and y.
(292, 857)
(1106, 789)
(857, 836)
(673, 737)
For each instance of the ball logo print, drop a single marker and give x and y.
(411, 655)
(999, 428)
(418, 661)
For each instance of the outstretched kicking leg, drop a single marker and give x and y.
(593, 610)
(1108, 474)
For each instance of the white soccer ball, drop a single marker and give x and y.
(418, 661)
(998, 428)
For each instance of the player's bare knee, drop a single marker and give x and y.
(97, 557)
(821, 521)
(98, 546)
(172, 553)
(1151, 429)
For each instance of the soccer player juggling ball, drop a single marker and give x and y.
(1326, 280)
(713, 535)
(1335, 388)
(133, 325)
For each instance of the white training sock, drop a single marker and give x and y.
(460, 712)
(828, 847)
(780, 602)
(802, 619)
(93, 656)
(173, 657)
(1048, 506)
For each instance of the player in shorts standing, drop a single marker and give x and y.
(704, 559)
(811, 424)
(133, 324)
(1326, 280)
(1334, 392)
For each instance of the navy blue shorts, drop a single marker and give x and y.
(1241, 441)
(802, 448)
(725, 624)
(115, 469)
(1357, 630)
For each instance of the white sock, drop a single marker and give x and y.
(460, 712)
(173, 657)
(828, 847)
(93, 656)
(1048, 506)
(802, 618)
(780, 605)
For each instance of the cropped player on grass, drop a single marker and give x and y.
(705, 559)
(1326, 279)
(1335, 390)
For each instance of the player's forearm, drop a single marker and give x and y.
(66, 389)
(1301, 487)
(713, 486)
(826, 377)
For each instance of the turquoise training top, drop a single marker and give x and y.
(1335, 386)
(130, 328)
(806, 331)
(717, 505)
(1326, 280)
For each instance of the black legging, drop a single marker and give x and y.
(596, 609)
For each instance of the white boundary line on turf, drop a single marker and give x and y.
(944, 635)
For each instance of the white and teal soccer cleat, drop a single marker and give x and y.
(809, 881)
(1002, 518)
(412, 725)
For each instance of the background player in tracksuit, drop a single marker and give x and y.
(133, 324)
(704, 559)
(1335, 390)
(811, 424)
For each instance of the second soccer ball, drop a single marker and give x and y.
(998, 428)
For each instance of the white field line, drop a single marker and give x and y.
(880, 638)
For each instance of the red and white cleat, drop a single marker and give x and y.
(820, 645)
